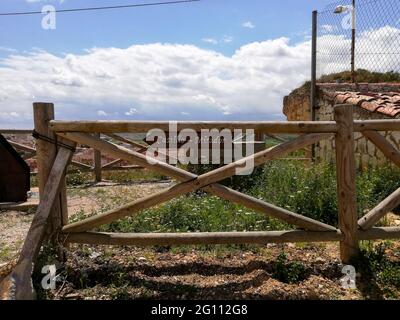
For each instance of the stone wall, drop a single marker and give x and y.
(366, 152)
(297, 108)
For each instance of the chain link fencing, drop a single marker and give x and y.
(377, 40)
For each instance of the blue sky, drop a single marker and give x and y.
(209, 60)
(188, 23)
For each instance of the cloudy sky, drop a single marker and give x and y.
(210, 60)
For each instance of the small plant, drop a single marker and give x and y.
(377, 269)
(288, 272)
(79, 178)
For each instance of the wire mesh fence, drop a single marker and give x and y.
(377, 37)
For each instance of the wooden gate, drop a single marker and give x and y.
(54, 155)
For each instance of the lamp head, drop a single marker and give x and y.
(340, 9)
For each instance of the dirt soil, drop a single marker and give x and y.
(134, 273)
(103, 272)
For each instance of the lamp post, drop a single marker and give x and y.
(352, 9)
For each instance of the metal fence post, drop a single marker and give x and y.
(313, 90)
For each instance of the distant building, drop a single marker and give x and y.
(370, 102)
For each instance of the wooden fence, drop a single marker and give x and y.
(96, 167)
(52, 214)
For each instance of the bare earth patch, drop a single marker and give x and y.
(136, 273)
(102, 272)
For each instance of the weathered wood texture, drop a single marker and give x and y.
(346, 177)
(46, 152)
(143, 126)
(260, 126)
(151, 239)
(385, 146)
(19, 282)
(135, 144)
(388, 233)
(97, 162)
(191, 182)
(383, 208)
(224, 237)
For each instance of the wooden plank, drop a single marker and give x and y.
(377, 125)
(111, 164)
(128, 155)
(127, 141)
(181, 175)
(19, 281)
(21, 146)
(261, 126)
(81, 165)
(387, 233)
(97, 162)
(376, 214)
(145, 126)
(23, 206)
(346, 177)
(385, 146)
(46, 152)
(268, 209)
(33, 150)
(123, 168)
(171, 239)
(188, 186)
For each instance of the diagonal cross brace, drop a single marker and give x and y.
(192, 182)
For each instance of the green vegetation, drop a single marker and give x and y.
(288, 271)
(80, 178)
(362, 76)
(380, 275)
(308, 190)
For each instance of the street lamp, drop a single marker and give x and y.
(344, 9)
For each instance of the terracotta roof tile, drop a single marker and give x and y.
(384, 103)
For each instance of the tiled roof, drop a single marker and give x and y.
(385, 103)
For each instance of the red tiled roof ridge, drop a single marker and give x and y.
(387, 104)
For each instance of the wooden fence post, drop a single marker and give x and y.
(97, 162)
(46, 154)
(346, 182)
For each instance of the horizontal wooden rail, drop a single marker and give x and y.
(262, 237)
(218, 190)
(260, 126)
(380, 234)
(145, 126)
(169, 239)
(192, 182)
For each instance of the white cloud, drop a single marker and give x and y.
(248, 24)
(210, 40)
(164, 81)
(328, 28)
(160, 80)
(227, 39)
(331, 48)
(8, 49)
(132, 112)
(102, 113)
